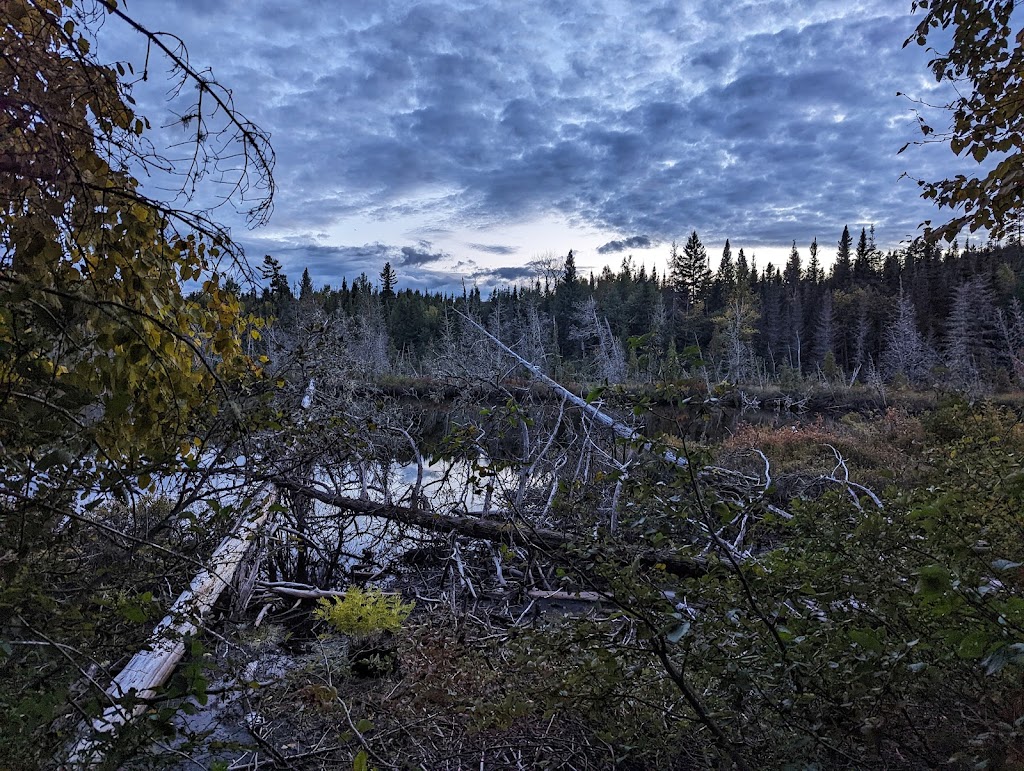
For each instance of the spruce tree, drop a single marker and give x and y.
(726, 268)
(306, 286)
(387, 281)
(815, 274)
(791, 276)
(843, 268)
(569, 290)
(862, 269)
(689, 271)
(742, 269)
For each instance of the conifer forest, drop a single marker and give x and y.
(700, 511)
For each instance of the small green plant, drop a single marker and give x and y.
(360, 614)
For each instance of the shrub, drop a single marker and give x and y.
(360, 614)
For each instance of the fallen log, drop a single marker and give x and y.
(620, 429)
(510, 533)
(302, 591)
(556, 594)
(150, 668)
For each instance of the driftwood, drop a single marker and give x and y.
(554, 594)
(151, 668)
(292, 589)
(620, 429)
(511, 533)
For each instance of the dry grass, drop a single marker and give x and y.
(876, 450)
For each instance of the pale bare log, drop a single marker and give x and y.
(595, 414)
(150, 668)
(543, 594)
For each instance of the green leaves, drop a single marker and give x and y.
(360, 613)
(139, 609)
(973, 644)
(933, 581)
(361, 762)
(866, 639)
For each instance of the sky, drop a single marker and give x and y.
(468, 142)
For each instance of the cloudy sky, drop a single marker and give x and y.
(465, 140)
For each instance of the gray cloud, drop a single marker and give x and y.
(634, 242)
(493, 248)
(413, 256)
(759, 122)
(508, 273)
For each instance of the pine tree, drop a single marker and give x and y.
(791, 276)
(815, 274)
(305, 286)
(742, 269)
(891, 270)
(726, 268)
(388, 277)
(874, 254)
(568, 293)
(569, 275)
(843, 268)
(689, 271)
(862, 269)
(906, 352)
(277, 292)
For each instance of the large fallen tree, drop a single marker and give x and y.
(620, 429)
(150, 668)
(512, 532)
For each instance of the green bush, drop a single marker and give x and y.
(360, 614)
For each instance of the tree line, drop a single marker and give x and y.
(917, 315)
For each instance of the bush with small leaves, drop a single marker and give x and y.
(362, 613)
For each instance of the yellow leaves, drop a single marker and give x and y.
(223, 342)
(95, 305)
(138, 353)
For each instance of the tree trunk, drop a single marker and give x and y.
(149, 669)
(499, 531)
(607, 421)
